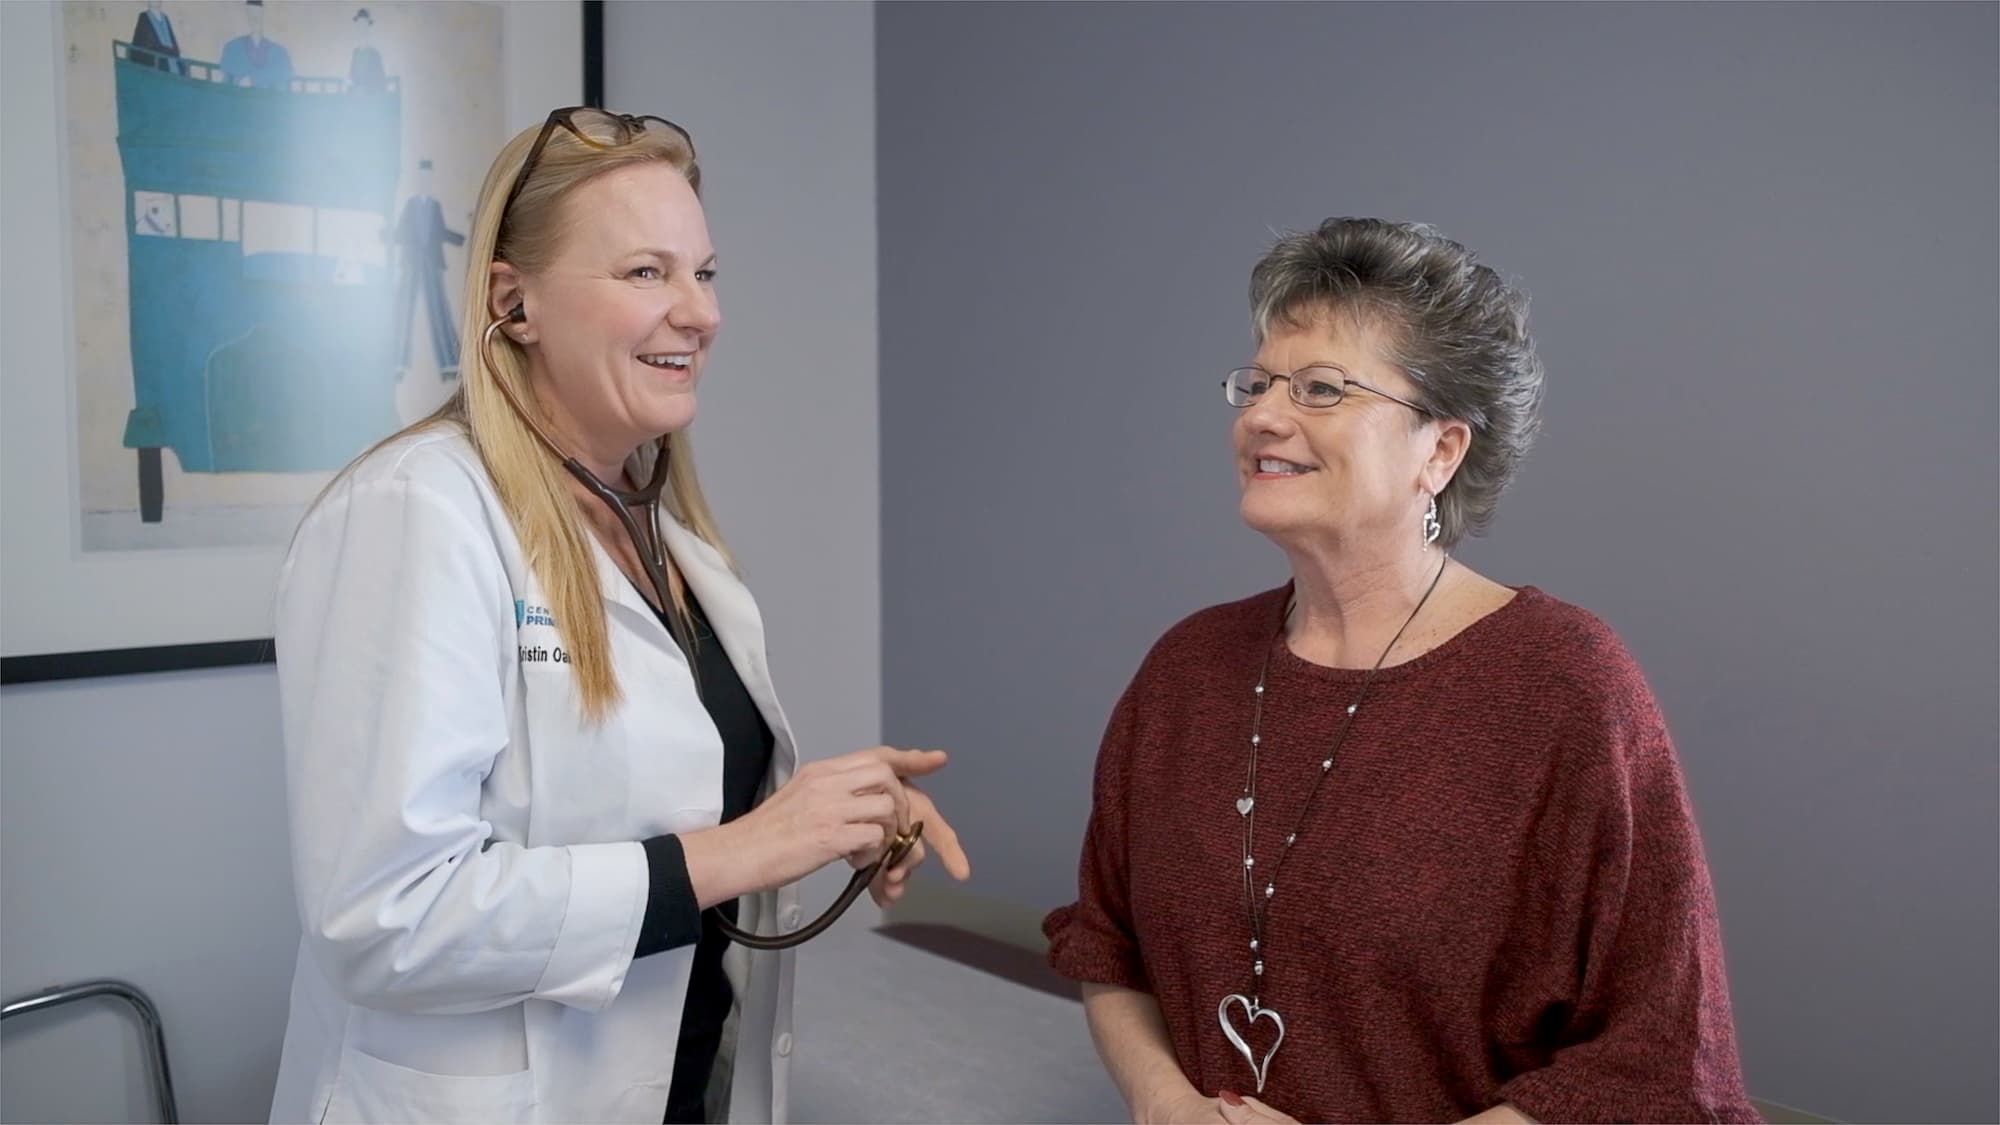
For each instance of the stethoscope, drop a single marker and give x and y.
(652, 557)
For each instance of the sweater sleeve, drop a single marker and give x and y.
(1650, 1036)
(1092, 939)
(673, 914)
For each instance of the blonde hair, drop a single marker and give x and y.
(534, 487)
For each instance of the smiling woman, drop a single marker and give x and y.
(622, 314)
(1449, 869)
(538, 769)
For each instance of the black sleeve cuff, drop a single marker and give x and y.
(673, 916)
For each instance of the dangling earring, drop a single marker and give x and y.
(1432, 528)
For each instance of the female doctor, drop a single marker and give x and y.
(534, 755)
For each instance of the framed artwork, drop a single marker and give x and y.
(252, 215)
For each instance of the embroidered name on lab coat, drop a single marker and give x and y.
(526, 614)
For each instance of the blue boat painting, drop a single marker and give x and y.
(292, 216)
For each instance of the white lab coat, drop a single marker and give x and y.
(466, 849)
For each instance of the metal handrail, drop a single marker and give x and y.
(202, 71)
(149, 1018)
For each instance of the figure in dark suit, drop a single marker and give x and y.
(421, 235)
(364, 69)
(154, 35)
(253, 60)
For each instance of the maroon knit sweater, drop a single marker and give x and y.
(1500, 895)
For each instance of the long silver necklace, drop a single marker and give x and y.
(1256, 903)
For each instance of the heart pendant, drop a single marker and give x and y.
(1244, 805)
(1255, 1013)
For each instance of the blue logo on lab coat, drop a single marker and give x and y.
(525, 614)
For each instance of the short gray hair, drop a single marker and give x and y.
(1455, 327)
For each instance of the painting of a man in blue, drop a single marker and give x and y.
(255, 227)
(251, 59)
(421, 235)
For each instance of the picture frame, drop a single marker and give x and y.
(245, 218)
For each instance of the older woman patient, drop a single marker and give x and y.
(1394, 842)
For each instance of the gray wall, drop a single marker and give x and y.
(780, 99)
(1762, 243)
(142, 836)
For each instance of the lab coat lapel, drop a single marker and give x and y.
(733, 614)
(620, 596)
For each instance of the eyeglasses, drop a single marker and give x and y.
(622, 127)
(1315, 387)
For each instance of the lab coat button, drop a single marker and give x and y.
(790, 918)
(785, 1045)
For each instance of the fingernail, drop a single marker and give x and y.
(1232, 1097)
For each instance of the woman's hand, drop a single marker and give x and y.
(889, 885)
(1242, 1109)
(1178, 1109)
(1502, 1114)
(830, 809)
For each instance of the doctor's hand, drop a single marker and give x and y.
(832, 809)
(888, 886)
